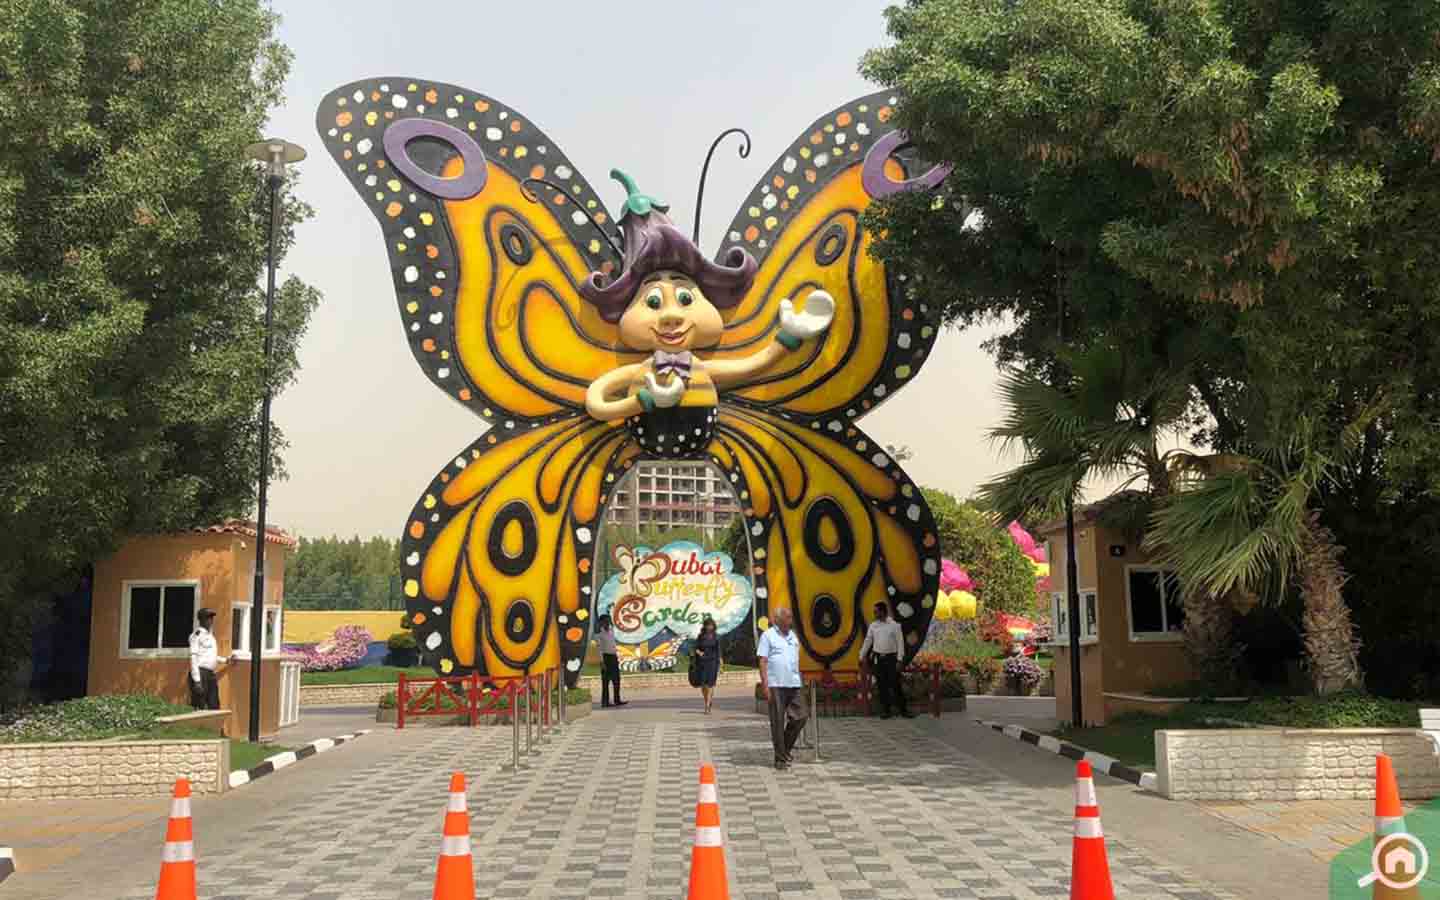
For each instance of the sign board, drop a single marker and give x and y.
(673, 588)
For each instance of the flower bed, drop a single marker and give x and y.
(345, 649)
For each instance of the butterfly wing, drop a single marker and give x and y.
(497, 554)
(665, 654)
(834, 526)
(631, 655)
(802, 223)
(486, 279)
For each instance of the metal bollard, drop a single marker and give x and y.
(562, 699)
(815, 714)
(545, 707)
(515, 726)
(529, 720)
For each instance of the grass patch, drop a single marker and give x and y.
(366, 675)
(243, 754)
(1131, 738)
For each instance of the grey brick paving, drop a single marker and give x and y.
(897, 810)
(606, 810)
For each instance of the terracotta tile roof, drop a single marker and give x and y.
(273, 535)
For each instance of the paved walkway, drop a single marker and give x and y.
(896, 809)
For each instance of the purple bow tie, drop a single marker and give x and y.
(678, 363)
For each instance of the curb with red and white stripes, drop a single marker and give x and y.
(290, 757)
(1107, 765)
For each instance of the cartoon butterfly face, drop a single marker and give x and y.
(519, 301)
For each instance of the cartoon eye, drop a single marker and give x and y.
(685, 297)
(653, 301)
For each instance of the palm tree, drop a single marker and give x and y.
(1246, 523)
(1112, 420)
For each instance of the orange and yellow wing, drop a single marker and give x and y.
(802, 223)
(834, 526)
(486, 277)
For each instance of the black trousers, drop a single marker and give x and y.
(609, 674)
(787, 720)
(887, 681)
(205, 693)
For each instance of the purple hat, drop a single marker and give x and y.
(653, 244)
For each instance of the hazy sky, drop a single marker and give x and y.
(367, 431)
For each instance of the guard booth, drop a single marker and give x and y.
(1131, 620)
(145, 597)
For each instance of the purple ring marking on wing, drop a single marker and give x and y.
(879, 185)
(463, 186)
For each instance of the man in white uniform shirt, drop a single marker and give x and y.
(885, 639)
(204, 660)
(779, 656)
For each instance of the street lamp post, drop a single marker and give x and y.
(276, 154)
(1072, 588)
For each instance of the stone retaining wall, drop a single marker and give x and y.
(343, 694)
(1291, 763)
(369, 694)
(111, 769)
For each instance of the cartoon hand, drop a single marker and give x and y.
(665, 396)
(817, 315)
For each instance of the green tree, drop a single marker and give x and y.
(132, 244)
(1004, 577)
(1250, 523)
(1113, 417)
(1266, 168)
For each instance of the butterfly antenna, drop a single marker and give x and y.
(705, 170)
(534, 198)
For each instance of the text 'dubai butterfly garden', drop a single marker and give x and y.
(588, 344)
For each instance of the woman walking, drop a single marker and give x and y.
(707, 658)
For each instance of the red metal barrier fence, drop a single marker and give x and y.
(477, 696)
(852, 691)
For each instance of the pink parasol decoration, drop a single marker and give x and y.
(954, 578)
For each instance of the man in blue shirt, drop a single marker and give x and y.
(779, 656)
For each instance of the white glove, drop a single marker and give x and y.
(817, 315)
(668, 395)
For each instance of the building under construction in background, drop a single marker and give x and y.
(674, 494)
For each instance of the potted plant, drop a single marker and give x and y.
(1022, 675)
(403, 651)
(982, 671)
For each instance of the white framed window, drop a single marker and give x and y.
(240, 630)
(1089, 615)
(1153, 605)
(156, 618)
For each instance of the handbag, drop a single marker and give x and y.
(694, 672)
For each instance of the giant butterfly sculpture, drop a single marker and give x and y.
(588, 346)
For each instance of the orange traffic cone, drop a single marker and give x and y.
(1389, 819)
(707, 860)
(455, 873)
(1089, 869)
(177, 860)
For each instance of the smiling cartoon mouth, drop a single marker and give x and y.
(670, 337)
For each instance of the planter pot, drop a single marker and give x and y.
(1016, 689)
(1047, 685)
(402, 658)
(952, 704)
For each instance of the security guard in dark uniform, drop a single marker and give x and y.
(204, 659)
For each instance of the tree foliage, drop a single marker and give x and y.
(335, 573)
(1004, 576)
(132, 243)
(1261, 173)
